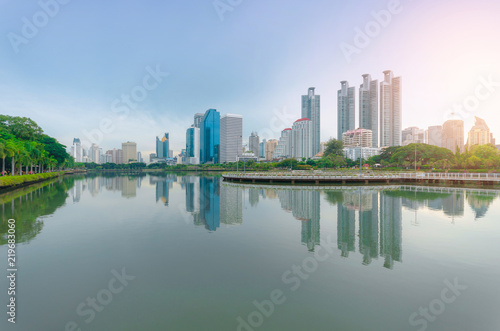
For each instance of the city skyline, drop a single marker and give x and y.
(257, 77)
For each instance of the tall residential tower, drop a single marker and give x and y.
(345, 109)
(368, 107)
(390, 110)
(311, 109)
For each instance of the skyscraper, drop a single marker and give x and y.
(77, 150)
(162, 146)
(301, 142)
(412, 135)
(262, 149)
(368, 107)
(193, 145)
(231, 136)
(94, 153)
(210, 137)
(453, 135)
(283, 149)
(253, 143)
(198, 117)
(479, 134)
(270, 148)
(345, 109)
(434, 135)
(390, 110)
(311, 109)
(129, 152)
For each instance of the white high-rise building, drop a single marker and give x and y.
(413, 135)
(302, 139)
(77, 150)
(434, 135)
(368, 107)
(390, 110)
(283, 149)
(345, 109)
(94, 153)
(311, 109)
(231, 136)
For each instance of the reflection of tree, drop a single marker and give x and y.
(28, 204)
(480, 203)
(334, 197)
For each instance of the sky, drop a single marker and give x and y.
(115, 71)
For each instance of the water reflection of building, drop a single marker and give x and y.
(129, 187)
(346, 229)
(369, 228)
(305, 206)
(163, 186)
(231, 201)
(253, 197)
(391, 230)
(210, 202)
(380, 227)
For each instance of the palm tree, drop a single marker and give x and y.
(3, 153)
(11, 148)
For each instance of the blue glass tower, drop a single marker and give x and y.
(210, 137)
(162, 146)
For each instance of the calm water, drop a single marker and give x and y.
(194, 253)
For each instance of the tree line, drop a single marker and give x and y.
(28, 148)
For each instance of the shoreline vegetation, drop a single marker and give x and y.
(14, 182)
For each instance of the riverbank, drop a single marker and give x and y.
(14, 182)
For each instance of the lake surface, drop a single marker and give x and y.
(191, 252)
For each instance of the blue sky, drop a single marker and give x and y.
(257, 62)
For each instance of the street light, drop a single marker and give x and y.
(415, 158)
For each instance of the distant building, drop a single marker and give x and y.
(413, 135)
(151, 157)
(323, 147)
(353, 153)
(129, 152)
(283, 149)
(345, 109)
(94, 153)
(390, 110)
(105, 158)
(193, 145)
(453, 135)
(302, 139)
(162, 146)
(270, 148)
(434, 135)
(479, 134)
(311, 109)
(368, 107)
(210, 137)
(198, 117)
(116, 155)
(253, 143)
(262, 149)
(358, 137)
(139, 157)
(231, 137)
(77, 150)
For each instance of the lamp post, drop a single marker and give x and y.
(415, 159)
